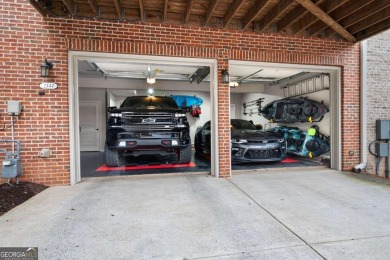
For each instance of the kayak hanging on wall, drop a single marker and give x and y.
(184, 101)
(291, 110)
(311, 143)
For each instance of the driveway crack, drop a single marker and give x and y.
(274, 217)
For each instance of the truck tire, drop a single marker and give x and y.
(111, 157)
(185, 154)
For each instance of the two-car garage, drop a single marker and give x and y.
(105, 80)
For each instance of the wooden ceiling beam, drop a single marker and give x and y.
(372, 8)
(320, 14)
(259, 6)
(188, 10)
(141, 10)
(297, 13)
(210, 11)
(38, 7)
(311, 19)
(233, 9)
(373, 30)
(353, 13)
(349, 10)
(118, 8)
(371, 20)
(165, 12)
(69, 6)
(94, 6)
(277, 10)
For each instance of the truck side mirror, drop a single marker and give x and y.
(111, 108)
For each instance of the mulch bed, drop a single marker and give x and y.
(11, 197)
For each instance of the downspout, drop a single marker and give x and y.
(363, 108)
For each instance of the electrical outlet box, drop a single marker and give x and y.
(382, 129)
(382, 149)
(14, 107)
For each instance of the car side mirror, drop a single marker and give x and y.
(111, 108)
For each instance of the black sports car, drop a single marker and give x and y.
(247, 143)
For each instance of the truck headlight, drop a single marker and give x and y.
(180, 115)
(115, 115)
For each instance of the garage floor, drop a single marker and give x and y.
(92, 165)
(320, 214)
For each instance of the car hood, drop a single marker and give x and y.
(254, 135)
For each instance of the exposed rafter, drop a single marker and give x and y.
(259, 6)
(210, 10)
(69, 6)
(374, 29)
(371, 20)
(232, 12)
(94, 6)
(38, 7)
(280, 8)
(296, 14)
(361, 12)
(188, 10)
(349, 18)
(308, 20)
(165, 12)
(309, 5)
(141, 10)
(319, 26)
(118, 8)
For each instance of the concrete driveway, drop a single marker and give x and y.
(266, 215)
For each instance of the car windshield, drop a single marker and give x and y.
(241, 124)
(150, 101)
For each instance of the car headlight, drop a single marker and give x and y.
(180, 115)
(239, 141)
(281, 140)
(115, 115)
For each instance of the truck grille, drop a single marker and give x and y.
(132, 121)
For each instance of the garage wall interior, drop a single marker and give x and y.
(27, 39)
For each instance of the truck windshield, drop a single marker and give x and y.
(150, 101)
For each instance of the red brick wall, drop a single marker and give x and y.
(27, 38)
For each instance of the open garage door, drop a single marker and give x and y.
(283, 116)
(152, 109)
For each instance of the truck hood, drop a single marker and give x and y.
(150, 109)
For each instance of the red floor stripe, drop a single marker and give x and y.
(289, 160)
(144, 167)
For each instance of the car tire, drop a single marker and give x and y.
(185, 154)
(111, 157)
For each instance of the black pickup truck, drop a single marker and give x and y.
(147, 125)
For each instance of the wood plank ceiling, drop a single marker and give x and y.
(349, 20)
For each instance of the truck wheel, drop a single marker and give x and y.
(111, 157)
(185, 154)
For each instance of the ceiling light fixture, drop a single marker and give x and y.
(233, 84)
(151, 80)
(225, 77)
(150, 91)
